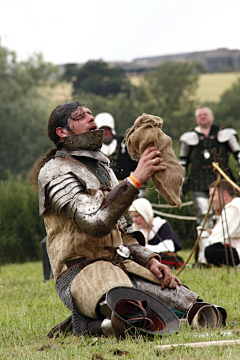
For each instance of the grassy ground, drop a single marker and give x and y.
(30, 307)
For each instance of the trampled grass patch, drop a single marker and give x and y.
(30, 307)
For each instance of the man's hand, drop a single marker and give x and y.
(149, 162)
(163, 271)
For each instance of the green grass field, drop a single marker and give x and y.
(30, 307)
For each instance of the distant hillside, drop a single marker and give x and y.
(211, 86)
(57, 94)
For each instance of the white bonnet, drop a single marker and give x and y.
(143, 207)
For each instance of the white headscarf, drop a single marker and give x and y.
(143, 207)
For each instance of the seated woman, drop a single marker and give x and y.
(160, 236)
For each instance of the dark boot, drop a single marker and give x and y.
(64, 327)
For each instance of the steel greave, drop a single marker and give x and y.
(180, 298)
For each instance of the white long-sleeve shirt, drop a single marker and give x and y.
(228, 226)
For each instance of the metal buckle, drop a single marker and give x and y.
(123, 251)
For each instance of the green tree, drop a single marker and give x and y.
(227, 110)
(97, 77)
(23, 113)
(21, 227)
(70, 71)
(23, 133)
(41, 72)
(14, 81)
(169, 91)
(172, 84)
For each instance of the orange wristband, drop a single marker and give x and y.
(135, 181)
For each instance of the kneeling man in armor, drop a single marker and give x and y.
(109, 281)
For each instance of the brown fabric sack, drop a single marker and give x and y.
(146, 132)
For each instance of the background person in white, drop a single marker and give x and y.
(141, 212)
(227, 206)
(121, 162)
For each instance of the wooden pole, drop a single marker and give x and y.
(158, 349)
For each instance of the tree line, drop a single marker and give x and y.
(167, 91)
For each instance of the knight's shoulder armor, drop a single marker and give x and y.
(64, 173)
(190, 138)
(225, 135)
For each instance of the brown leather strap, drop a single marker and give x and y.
(80, 261)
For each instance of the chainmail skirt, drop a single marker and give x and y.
(63, 288)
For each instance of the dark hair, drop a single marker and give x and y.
(224, 185)
(58, 118)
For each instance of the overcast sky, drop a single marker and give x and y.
(77, 31)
